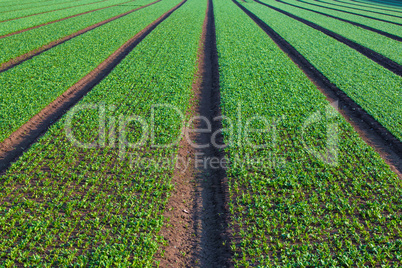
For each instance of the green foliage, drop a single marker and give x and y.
(294, 209)
(384, 26)
(376, 89)
(362, 12)
(16, 45)
(32, 85)
(381, 44)
(62, 205)
(37, 8)
(19, 24)
(377, 8)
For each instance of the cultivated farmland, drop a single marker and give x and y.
(200, 133)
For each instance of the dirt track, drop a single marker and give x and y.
(197, 209)
(372, 132)
(20, 140)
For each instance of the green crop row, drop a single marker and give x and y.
(27, 12)
(23, 23)
(386, 27)
(16, 45)
(366, 10)
(63, 205)
(378, 16)
(392, 4)
(371, 7)
(32, 85)
(370, 85)
(29, 5)
(388, 47)
(8, 3)
(304, 189)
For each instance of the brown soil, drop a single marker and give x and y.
(20, 59)
(66, 18)
(392, 36)
(20, 140)
(197, 231)
(369, 53)
(179, 231)
(44, 12)
(370, 130)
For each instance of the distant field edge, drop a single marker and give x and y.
(385, 62)
(352, 13)
(360, 9)
(374, 7)
(58, 20)
(49, 11)
(386, 34)
(25, 8)
(29, 55)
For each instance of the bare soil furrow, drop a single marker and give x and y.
(26, 135)
(201, 186)
(45, 12)
(213, 192)
(360, 9)
(352, 13)
(370, 130)
(66, 18)
(392, 36)
(20, 59)
(369, 53)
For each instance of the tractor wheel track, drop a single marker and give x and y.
(206, 198)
